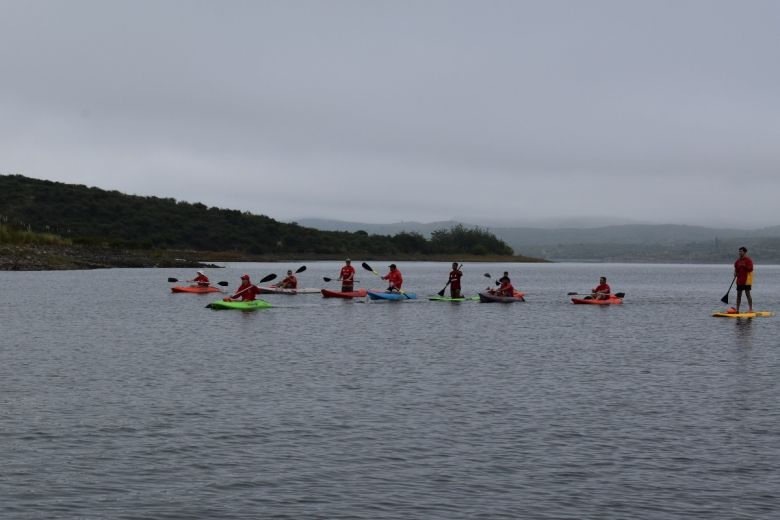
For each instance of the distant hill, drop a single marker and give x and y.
(617, 243)
(91, 216)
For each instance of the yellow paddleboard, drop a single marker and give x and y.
(754, 314)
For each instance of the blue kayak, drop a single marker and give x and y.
(381, 295)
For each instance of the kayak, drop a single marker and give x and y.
(450, 299)
(754, 314)
(327, 293)
(239, 305)
(279, 290)
(486, 297)
(194, 289)
(381, 295)
(592, 301)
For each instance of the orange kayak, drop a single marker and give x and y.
(194, 289)
(592, 301)
(360, 293)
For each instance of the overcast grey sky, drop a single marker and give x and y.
(667, 111)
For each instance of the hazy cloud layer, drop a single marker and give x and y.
(385, 111)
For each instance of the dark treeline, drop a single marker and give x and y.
(92, 216)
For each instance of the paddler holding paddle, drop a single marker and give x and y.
(347, 276)
(246, 291)
(602, 290)
(201, 279)
(455, 275)
(743, 273)
(289, 282)
(394, 279)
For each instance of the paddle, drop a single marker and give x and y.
(242, 291)
(331, 279)
(617, 294)
(223, 284)
(487, 275)
(441, 293)
(725, 298)
(368, 268)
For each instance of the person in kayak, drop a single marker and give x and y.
(601, 291)
(246, 291)
(455, 275)
(201, 279)
(289, 282)
(347, 276)
(505, 289)
(743, 272)
(394, 279)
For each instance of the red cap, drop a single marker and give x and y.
(245, 277)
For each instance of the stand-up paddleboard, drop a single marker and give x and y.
(450, 299)
(754, 314)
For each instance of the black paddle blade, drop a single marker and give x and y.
(571, 293)
(223, 284)
(620, 294)
(487, 275)
(327, 279)
(367, 267)
(173, 280)
(268, 278)
(301, 269)
(725, 299)
(498, 283)
(441, 293)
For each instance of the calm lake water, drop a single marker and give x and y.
(121, 400)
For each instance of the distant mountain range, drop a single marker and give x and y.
(618, 243)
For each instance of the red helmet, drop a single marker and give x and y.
(245, 277)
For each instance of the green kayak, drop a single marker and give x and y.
(449, 299)
(239, 305)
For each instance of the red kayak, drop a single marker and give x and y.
(194, 289)
(592, 301)
(360, 293)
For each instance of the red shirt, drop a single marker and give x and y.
(347, 275)
(202, 280)
(291, 282)
(394, 278)
(742, 268)
(248, 294)
(506, 289)
(455, 276)
(602, 288)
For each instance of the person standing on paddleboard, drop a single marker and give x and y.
(743, 272)
(602, 290)
(455, 275)
(246, 291)
(347, 276)
(394, 279)
(202, 280)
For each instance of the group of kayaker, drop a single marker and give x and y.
(743, 276)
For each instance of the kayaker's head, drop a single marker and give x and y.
(454, 265)
(201, 273)
(392, 267)
(289, 272)
(603, 279)
(244, 278)
(742, 251)
(348, 261)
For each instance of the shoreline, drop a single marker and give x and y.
(37, 257)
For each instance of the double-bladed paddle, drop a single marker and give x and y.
(266, 279)
(172, 280)
(616, 295)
